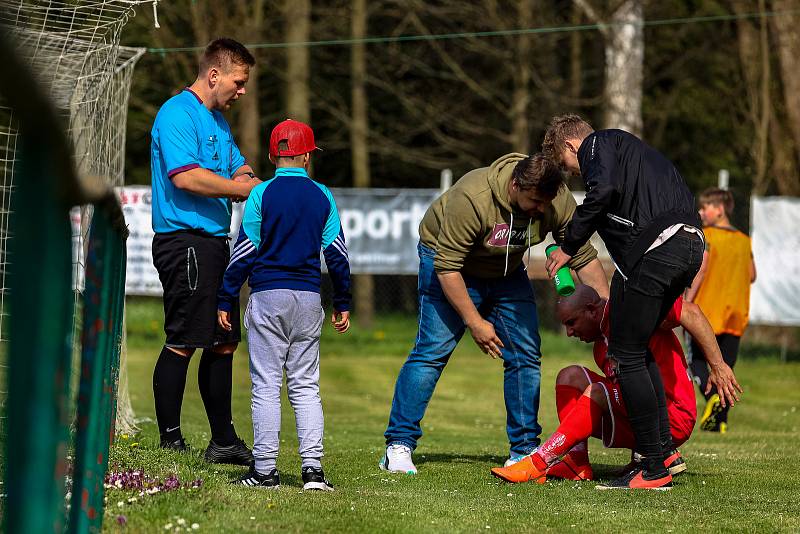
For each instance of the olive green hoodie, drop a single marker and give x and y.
(468, 225)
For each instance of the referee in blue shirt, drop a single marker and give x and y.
(197, 171)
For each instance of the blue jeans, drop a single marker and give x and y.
(508, 303)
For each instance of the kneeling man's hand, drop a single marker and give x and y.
(485, 337)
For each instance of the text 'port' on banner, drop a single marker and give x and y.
(381, 227)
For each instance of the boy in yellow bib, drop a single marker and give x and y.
(722, 290)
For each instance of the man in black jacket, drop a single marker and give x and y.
(644, 212)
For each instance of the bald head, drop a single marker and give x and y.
(583, 297)
(581, 313)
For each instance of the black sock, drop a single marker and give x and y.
(215, 377)
(169, 381)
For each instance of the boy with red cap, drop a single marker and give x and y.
(287, 220)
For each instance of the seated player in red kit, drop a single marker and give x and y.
(589, 404)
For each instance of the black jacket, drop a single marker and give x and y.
(633, 193)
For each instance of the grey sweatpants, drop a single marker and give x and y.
(283, 329)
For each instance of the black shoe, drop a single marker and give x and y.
(177, 445)
(256, 479)
(638, 478)
(314, 479)
(674, 462)
(235, 454)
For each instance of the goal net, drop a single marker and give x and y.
(73, 49)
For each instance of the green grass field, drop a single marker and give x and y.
(746, 480)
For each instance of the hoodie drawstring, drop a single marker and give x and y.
(529, 245)
(508, 242)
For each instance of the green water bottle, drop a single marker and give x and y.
(565, 285)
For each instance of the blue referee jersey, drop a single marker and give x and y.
(187, 135)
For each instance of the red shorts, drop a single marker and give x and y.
(617, 431)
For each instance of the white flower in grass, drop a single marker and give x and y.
(195, 526)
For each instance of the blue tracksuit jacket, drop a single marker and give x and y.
(287, 220)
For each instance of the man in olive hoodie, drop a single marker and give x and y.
(471, 275)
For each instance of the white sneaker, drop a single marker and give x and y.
(397, 459)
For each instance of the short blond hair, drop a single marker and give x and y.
(561, 129)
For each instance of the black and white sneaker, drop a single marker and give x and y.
(177, 445)
(314, 479)
(236, 454)
(255, 479)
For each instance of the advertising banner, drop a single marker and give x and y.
(775, 295)
(381, 227)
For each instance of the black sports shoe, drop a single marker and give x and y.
(235, 454)
(314, 479)
(674, 462)
(177, 445)
(638, 478)
(254, 478)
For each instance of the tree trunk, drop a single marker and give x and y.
(298, 30)
(783, 166)
(249, 111)
(364, 288)
(575, 54)
(624, 50)
(788, 39)
(521, 96)
(756, 71)
(248, 126)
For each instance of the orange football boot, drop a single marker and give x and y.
(523, 471)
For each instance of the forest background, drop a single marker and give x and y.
(714, 84)
(397, 91)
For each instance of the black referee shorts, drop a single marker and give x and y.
(191, 265)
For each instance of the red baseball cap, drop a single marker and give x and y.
(298, 136)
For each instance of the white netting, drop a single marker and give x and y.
(73, 49)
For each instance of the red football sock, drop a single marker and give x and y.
(575, 428)
(566, 398)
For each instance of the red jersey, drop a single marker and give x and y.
(671, 361)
